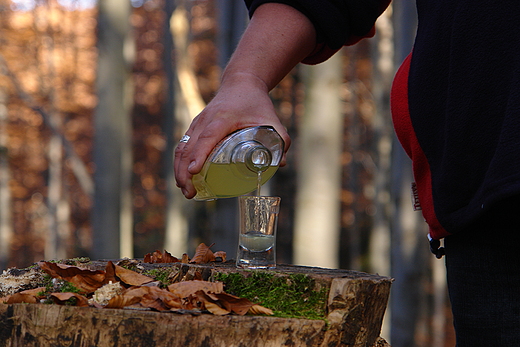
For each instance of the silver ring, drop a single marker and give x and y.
(185, 138)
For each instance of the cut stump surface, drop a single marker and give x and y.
(354, 313)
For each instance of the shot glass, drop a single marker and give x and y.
(258, 220)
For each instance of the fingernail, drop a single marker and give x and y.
(192, 165)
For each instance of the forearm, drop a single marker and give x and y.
(277, 38)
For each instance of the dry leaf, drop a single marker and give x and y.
(148, 297)
(169, 299)
(29, 296)
(62, 298)
(128, 297)
(210, 304)
(215, 309)
(158, 257)
(220, 254)
(187, 288)
(129, 277)
(110, 273)
(232, 303)
(203, 254)
(120, 301)
(85, 280)
(185, 259)
(257, 309)
(18, 298)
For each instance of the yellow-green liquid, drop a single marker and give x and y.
(226, 180)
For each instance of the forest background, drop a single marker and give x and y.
(94, 97)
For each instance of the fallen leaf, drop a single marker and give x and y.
(158, 257)
(232, 303)
(29, 296)
(187, 288)
(110, 273)
(185, 259)
(258, 309)
(148, 297)
(220, 254)
(126, 276)
(128, 297)
(120, 301)
(211, 305)
(203, 254)
(87, 281)
(215, 309)
(63, 299)
(160, 300)
(18, 298)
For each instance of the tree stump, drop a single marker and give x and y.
(355, 307)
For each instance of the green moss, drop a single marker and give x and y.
(52, 286)
(47, 283)
(292, 296)
(68, 287)
(161, 274)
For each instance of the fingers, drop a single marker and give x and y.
(182, 176)
(190, 155)
(235, 107)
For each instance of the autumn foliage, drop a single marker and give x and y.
(118, 287)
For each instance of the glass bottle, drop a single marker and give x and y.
(239, 163)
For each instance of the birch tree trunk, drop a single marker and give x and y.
(317, 215)
(6, 228)
(112, 211)
(55, 245)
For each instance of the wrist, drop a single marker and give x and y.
(248, 80)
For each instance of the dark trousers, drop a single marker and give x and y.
(483, 266)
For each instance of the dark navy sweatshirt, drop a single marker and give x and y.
(455, 99)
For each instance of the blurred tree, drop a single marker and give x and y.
(316, 229)
(6, 228)
(188, 103)
(112, 209)
(381, 151)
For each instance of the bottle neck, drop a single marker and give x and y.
(255, 156)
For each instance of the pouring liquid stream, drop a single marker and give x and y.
(258, 183)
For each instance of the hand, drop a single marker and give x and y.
(242, 101)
